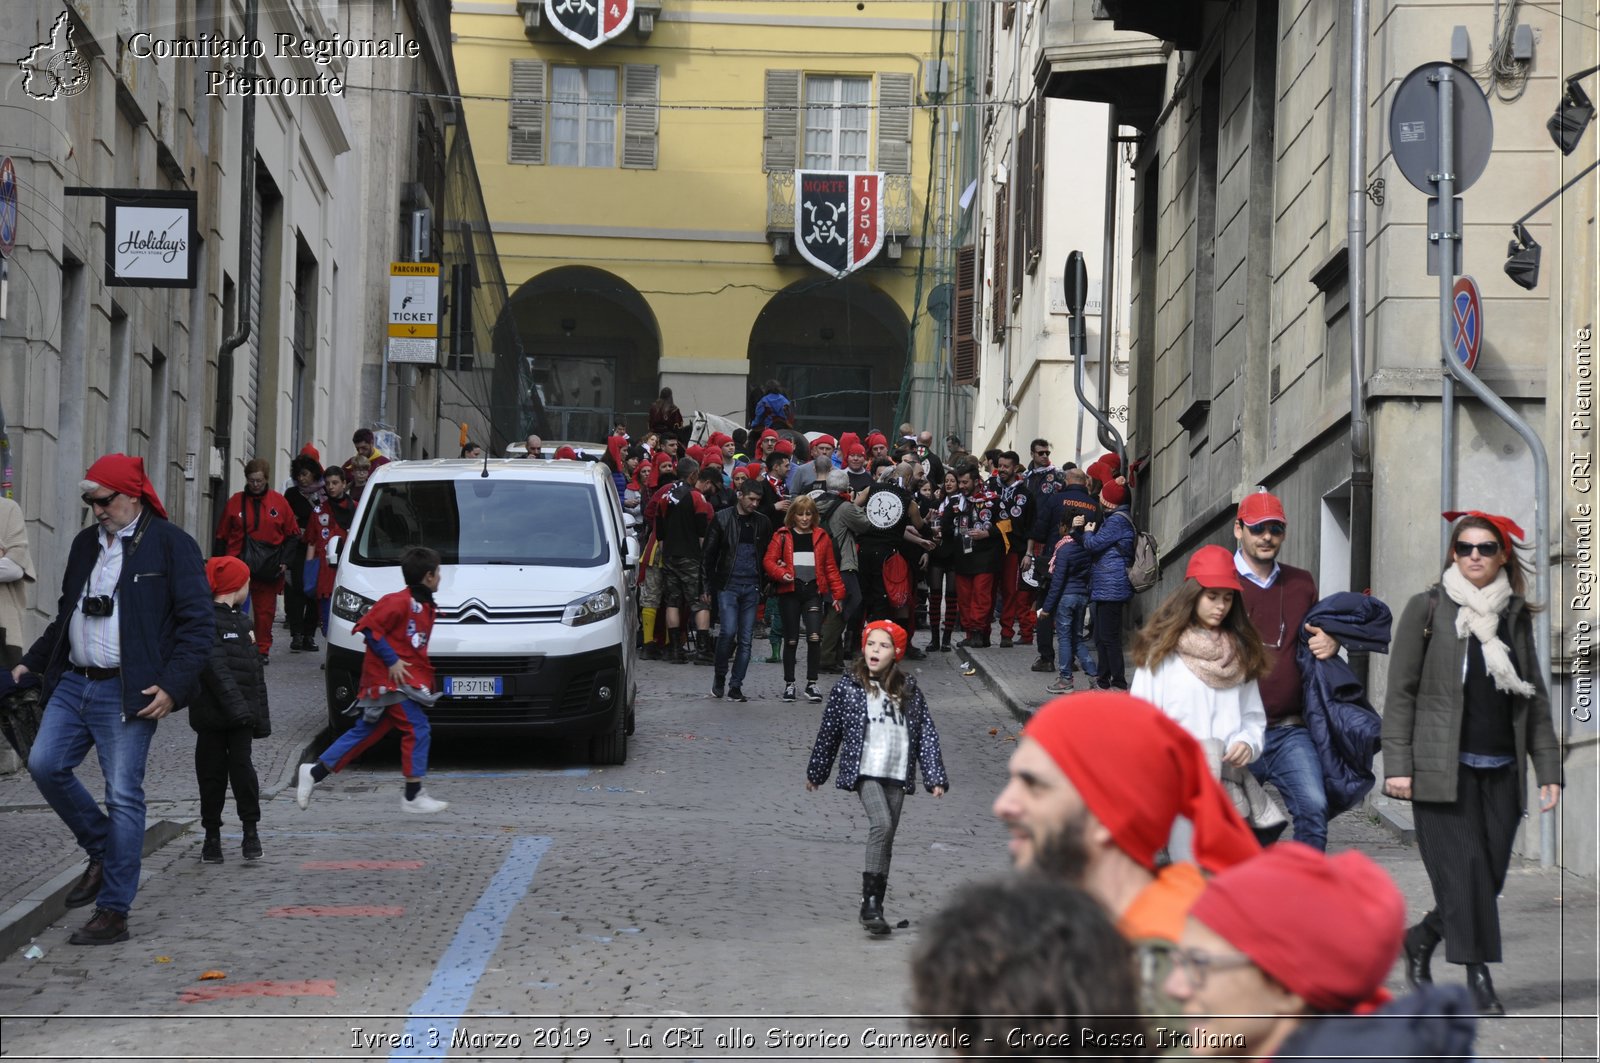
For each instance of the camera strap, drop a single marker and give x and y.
(127, 555)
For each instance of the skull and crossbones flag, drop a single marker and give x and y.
(589, 22)
(838, 218)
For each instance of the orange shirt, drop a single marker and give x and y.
(1160, 910)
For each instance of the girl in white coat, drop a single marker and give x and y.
(1199, 659)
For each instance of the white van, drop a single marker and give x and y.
(537, 612)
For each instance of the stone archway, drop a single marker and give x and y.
(579, 347)
(839, 347)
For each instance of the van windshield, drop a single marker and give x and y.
(477, 521)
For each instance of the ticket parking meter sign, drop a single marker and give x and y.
(1466, 322)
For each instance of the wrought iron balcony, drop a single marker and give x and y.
(780, 212)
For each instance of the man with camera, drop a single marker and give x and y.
(132, 631)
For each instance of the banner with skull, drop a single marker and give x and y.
(589, 22)
(838, 218)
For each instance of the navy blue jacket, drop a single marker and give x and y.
(163, 613)
(1343, 724)
(844, 722)
(1071, 576)
(1051, 509)
(1111, 546)
(1435, 1023)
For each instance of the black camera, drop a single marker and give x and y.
(98, 605)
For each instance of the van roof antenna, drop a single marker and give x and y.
(485, 473)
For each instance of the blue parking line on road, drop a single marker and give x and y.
(531, 773)
(437, 1012)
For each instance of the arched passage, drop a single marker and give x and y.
(838, 346)
(579, 347)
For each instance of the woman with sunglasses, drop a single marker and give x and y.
(1466, 710)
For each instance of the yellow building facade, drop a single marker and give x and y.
(641, 197)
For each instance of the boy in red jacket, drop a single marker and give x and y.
(396, 684)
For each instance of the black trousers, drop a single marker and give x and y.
(1466, 849)
(301, 608)
(803, 605)
(1108, 644)
(221, 758)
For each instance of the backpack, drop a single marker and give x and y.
(1145, 566)
(896, 579)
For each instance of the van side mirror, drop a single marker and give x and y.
(333, 551)
(631, 558)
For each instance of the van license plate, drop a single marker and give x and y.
(473, 686)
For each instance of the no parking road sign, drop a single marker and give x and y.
(1466, 322)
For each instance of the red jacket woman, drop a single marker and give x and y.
(262, 514)
(780, 562)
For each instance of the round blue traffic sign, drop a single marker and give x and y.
(8, 206)
(1466, 322)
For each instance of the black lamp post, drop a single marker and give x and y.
(1567, 125)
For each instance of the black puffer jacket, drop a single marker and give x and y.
(233, 689)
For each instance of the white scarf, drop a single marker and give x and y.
(1479, 615)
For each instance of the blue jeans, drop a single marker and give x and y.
(84, 713)
(1069, 645)
(736, 612)
(1290, 763)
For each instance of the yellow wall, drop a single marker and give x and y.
(709, 178)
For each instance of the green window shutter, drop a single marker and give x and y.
(894, 122)
(780, 127)
(526, 139)
(641, 98)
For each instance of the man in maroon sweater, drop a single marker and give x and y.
(1277, 597)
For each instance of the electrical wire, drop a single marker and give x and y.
(1507, 76)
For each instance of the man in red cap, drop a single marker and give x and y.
(877, 447)
(1277, 597)
(132, 631)
(1259, 975)
(1096, 782)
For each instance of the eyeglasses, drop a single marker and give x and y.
(1488, 549)
(1041, 453)
(102, 502)
(1267, 527)
(1196, 964)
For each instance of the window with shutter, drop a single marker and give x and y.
(1036, 200)
(1002, 260)
(894, 122)
(838, 115)
(526, 134)
(641, 97)
(1022, 248)
(583, 116)
(964, 352)
(780, 129)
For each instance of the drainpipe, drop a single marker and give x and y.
(1011, 199)
(247, 195)
(1108, 271)
(1356, 252)
(1455, 372)
(1076, 283)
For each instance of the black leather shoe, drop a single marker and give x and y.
(104, 928)
(1482, 987)
(1043, 664)
(1419, 946)
(88, 887)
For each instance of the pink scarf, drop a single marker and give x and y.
(1213, 656)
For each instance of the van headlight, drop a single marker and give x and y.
(596, 607)
(348, 605)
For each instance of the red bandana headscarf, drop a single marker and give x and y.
(1504, 526)
(124, 474)
(1138, 771)
(1327, 927)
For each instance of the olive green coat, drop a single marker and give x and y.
(1423, 710)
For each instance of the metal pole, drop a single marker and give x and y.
(247, 195)
(1356, 250)
(1076, 284)
(1108, 271)
(1541, 461)
(1013, 332)
(1445, 186)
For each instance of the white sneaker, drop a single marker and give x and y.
(302, 788)
(422, 804)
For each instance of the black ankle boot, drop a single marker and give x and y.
(1419, 945)
(211, 851)
(1482, 987)
(872, 886)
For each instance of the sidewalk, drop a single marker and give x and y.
(42, 860)
(1548, 917)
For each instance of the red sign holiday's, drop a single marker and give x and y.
(838, 218)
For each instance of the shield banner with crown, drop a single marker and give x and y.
(838, 218)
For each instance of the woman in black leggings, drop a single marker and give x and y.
(803, 569)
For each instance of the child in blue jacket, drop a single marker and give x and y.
(1066, 599)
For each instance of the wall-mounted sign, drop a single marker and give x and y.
(152, 239)
(589, 22)
(838, 218)
(414, 312)
(8, 206)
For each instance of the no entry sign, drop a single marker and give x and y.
(1466, 322)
